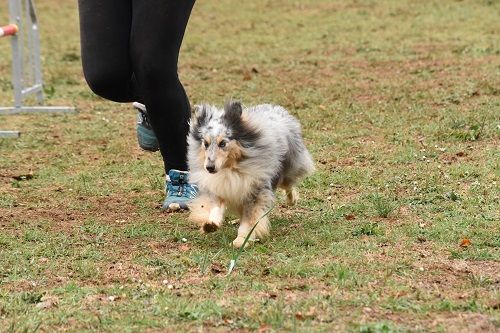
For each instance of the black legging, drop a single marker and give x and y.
(130, 50)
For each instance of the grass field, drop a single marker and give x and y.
(397, 231)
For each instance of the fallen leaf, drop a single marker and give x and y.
(367, 310)
(47, 302)
(23, 177)
(264, 328)
(421, 239)
(299, 316)
(311, 313)
(217, 268)
(465, 242)
(350, 217)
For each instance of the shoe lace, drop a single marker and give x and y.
(182, 189)
(142, 118)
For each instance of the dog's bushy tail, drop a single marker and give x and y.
(309, 166)
(299, 159)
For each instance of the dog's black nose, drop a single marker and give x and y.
(211, 168)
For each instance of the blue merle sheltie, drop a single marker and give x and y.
(238, 157)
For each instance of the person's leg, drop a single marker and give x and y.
(157, 31)
(105, 43)
(105, 27)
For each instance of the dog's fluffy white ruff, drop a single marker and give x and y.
(265, 150)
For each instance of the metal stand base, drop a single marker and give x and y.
(26, 64)
(36, 109)
(9, 134)
(5, 111)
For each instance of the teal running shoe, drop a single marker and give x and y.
(179, 191)
(145, 135)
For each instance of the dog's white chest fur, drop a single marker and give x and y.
(231, 186)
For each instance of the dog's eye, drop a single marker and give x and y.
(222, 144)
(205, 144)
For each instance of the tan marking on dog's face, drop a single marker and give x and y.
(204, 147)
(219, 152)
(234, 154)
(207, 140)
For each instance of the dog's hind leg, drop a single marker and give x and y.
(298, 164)
(292, 195)
(255, 214)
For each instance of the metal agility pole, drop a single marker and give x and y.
(26, 77)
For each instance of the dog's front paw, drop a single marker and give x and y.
(238, 242)
(214, 220)
(216, 215)
(209, 227)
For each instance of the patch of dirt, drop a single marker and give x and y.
(124, 272)
(436, 275)
(371, 75)
(168, 247)
(465, 323)
(451, 322)
(109, 209)
(455, 271)
(62, 219)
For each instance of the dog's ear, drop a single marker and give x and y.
(200, 113)
(198, 109)
(233, 109)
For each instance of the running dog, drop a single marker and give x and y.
(238, 157)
